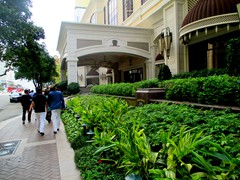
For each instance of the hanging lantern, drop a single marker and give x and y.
(92, 73)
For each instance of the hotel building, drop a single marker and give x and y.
(115, 41)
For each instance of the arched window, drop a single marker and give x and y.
(93, 19)
(127, 8)
(112, 12)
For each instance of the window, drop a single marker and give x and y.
(112, 12)
(127, 8)
(93, 19)
(143, 1)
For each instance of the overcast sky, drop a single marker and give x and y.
(48, 14)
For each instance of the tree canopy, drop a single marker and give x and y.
(14, 19)
(19, 43)
(36, 64)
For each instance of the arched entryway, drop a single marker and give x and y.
(125, 51)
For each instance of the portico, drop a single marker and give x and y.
(103, 47)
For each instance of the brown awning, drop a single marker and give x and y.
(209, 15)
(208, 8)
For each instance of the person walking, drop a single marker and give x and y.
(56, 103)
(39, 104)
(26, 100)
(32, 93)
(48, 113)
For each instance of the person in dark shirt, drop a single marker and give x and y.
(26, 100)
(56, 103)
(40, 106)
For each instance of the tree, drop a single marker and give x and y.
(19, 46)
(15, 15)
(15, 28)
(36, 64)
(164, 73)
(58, 69)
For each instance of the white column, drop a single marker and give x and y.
(153, 58)
(149, 69)
(72, 70)
(150, 63)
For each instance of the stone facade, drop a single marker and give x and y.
(130, 48)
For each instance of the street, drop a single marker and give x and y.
(8, 110)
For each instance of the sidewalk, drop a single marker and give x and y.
(37, 157)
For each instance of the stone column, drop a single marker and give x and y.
(72, 70)
(149, 69)
(210, 56)
(153, 58)
(150, 63)
(115, 74)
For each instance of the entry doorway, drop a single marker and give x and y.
(133, 75)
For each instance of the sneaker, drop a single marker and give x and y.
(55, 132)
(42, 133)
(23, 122)
(57, 129)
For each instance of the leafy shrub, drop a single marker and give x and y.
(124, 89)
(73, 129)
(150, 83)
(98, 111)
(119, 89)
(62, 85)
(233, 57)
(164, 117)
(200, 73)
(221, 90)
(80, 141)
(183, 139)
(164, 73)
(92, 167)
(73, 88)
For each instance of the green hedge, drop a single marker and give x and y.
(123, 89)
(200, 73)
(214, 90)
(73, 88)
(62, 85)
(219, 90)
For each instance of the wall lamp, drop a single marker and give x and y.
(165, 41)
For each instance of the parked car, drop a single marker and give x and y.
(15, 97)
